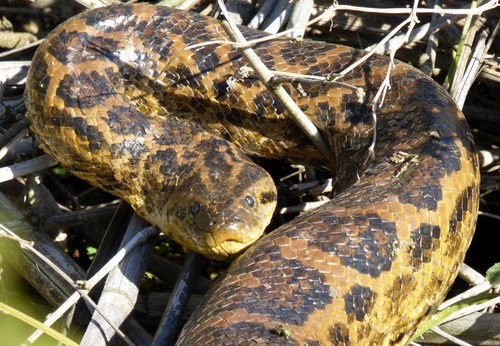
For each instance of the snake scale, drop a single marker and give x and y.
(118, 98)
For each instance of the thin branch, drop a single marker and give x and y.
(386, 83)
(324, 16)
(8, 310)
(20, 49)
(259, 17)
(191, 269)
(288, 77)
(120, 290)
(79, 217)
(449, 337)
(478, 10)
(365, 57)
(470, 275)
(301, 207)
(13, 131)
(458, 65)
(419, 32)
(279, 14)
(493, 216)
(476, 329)
(26, 167)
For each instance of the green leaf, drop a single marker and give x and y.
(493, 274)
(438, 317)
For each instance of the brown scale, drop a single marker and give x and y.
(117, 98)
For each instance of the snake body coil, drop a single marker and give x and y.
(112, 95)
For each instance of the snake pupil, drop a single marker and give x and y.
(250, 201)
(195, 208)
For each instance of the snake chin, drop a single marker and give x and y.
(228, 248)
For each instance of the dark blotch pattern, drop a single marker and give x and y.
(266, 103)
(339, 334)
(86, 90)
(168, 158)
(370, 252)
(217, 163)
(127, 121)
(93, 18)
(222, 89)
(183, 75)
(426, 196)
(66, 91)
(446, 152)
(39, 68)
(424, 240)
(206, 58)
(356, 113)
(268, 197)
(79, 47)
(93, 89)
(358, 302)
(92, 134)
(306, 291)
(462, 206)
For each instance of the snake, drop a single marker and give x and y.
(157, 107)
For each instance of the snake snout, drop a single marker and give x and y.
(230, 236)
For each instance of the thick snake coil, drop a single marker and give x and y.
(112, 94)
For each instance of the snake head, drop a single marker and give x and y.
(219, 213)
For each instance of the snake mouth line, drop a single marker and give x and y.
(227, 248)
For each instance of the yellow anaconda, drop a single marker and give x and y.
(120, 99)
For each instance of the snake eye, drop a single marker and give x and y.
(250, 201)
(195, 208)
